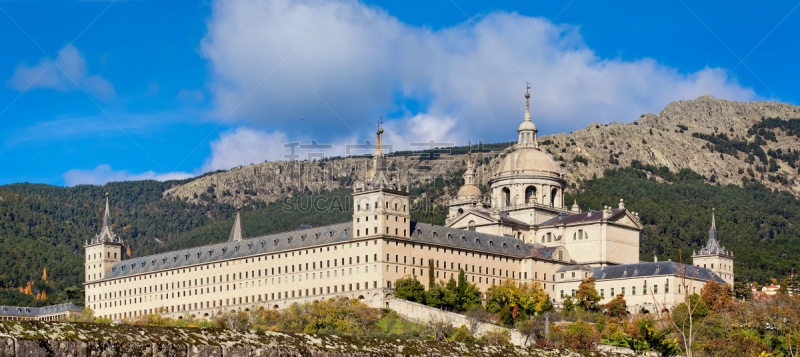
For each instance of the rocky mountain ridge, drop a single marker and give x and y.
(664, 139)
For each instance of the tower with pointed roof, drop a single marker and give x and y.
(103, 250)
(237, 232)
(380, 205)
(714, 256)
(469, 196)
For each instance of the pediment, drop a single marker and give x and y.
(464, 219)
(626, 219)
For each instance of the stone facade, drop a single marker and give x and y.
(59, 312)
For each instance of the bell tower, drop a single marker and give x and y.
(380, 206)
(103, 250)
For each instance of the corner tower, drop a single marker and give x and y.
(103, 250)
(380, 206)
(715, 257)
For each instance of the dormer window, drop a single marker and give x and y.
(186, 256)
(198, 255)
(331, 233)
(210, 252)
(289, 240)
(275, 242)
(175, 258)
(249, 246)
(163, 260)
(478, 241)
(152, 262)
(504, 246)
(491, 243)
(316, 236)
(463, 239)
(236, 248)
(262, 244)
(224, 250)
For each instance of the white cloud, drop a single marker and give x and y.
(62, 76)
(361, 60)
(103, 174)
(244, 146)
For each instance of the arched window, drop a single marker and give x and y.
(471, 226)
(507, 196)
(580, 234)
(553, 197)
(530, 194)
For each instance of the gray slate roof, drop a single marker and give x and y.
(37, 311)
(308, 237)
(458, 238)
(575, 267)
(655, 269)
(340, 232)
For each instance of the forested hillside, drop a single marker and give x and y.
(45, 227)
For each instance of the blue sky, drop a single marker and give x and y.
(96, 91)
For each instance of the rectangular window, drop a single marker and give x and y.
(602, 292)
(655, 289)
(623, 290)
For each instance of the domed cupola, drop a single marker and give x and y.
(527, 175)
(469, 188)
(527, 130)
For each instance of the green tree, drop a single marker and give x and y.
(431, 274)
(409, 288)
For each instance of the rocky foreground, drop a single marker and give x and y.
(25, 338)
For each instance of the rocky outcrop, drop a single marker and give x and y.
(655, 139)
(660, 141)
(36, 339)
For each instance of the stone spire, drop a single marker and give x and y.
(712, 233)
(107, 214)
(237, 232)
(469, 175)
(712, 247)
(527, 130)
(106, 235)
(378, 160)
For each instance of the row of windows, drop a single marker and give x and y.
(241, 300)
(653, 290)
(213, 280)
(358, 207)
(213, 266)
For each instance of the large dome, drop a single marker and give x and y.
(469, 190)
(527, 160)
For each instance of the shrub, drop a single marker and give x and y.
(580, 335)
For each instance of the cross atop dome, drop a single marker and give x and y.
(527, 130)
